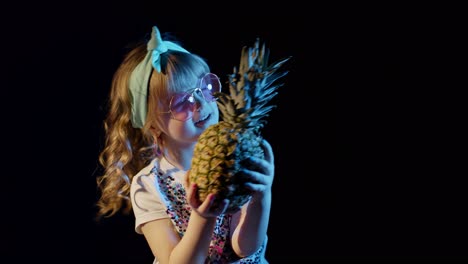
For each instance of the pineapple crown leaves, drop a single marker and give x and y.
(251, 88)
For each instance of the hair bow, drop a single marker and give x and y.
(139, 79)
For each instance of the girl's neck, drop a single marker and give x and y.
(179, 156)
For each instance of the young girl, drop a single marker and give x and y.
(161, 101)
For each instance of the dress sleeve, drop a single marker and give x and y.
(146, 201)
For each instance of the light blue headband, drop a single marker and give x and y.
(139, 79)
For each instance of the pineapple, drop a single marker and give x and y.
(222, 148)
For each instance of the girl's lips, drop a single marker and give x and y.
(202, 121)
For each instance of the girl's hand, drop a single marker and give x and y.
(207, 208)
(259, 173)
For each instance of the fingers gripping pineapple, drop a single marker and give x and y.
(222, 148)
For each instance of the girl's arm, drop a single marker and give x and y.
(251, 223)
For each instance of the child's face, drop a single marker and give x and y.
(192, 111)
(207, 114)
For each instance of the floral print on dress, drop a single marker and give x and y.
(220, 250)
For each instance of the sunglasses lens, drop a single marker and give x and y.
(182, 106)
(210, 84)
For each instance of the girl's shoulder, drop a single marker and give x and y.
(159, 168)
(146, 172)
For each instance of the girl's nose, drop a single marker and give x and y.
(199, 99)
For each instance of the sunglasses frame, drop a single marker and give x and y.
(191, 94)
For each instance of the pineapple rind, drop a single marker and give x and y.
(214, 169)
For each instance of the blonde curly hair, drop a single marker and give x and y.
(127, 149)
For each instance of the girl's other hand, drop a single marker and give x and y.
(259, 173)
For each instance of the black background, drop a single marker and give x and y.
(363, 146)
